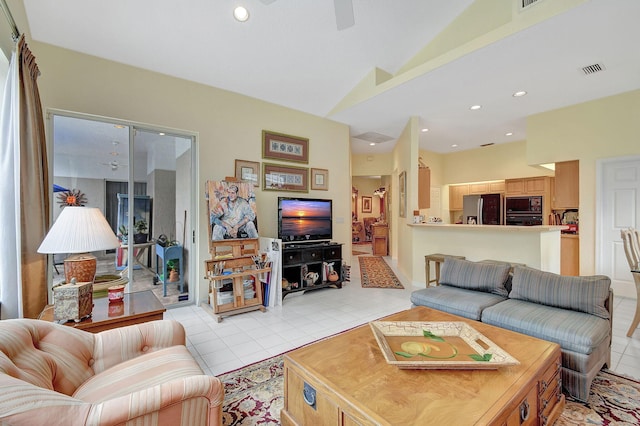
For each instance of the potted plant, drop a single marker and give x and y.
(173, 272)
(123, 233)
(141, 235)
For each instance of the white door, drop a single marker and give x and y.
(618, 204)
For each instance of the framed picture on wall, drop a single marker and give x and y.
(320, 179)
(278, 146)
(402, 199)
(278, 177)
(248, 171)
(366, 204)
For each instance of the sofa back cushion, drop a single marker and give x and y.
(583, 294)
(486, 277)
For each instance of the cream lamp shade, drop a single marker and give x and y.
(78, 231)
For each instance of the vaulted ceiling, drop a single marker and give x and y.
(430, 59)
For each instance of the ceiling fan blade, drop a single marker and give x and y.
(267, 2)
(344, 13)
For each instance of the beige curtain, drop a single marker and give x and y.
(34, 185)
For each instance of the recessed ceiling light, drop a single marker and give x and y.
(372, 144)
(241, 14)
(475, 107)
(520, 93)
(509, 134)
(161, 133)
(455, 145)
(425, 130)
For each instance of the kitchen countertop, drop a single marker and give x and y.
(510, 228)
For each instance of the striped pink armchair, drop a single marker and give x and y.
(51, 374)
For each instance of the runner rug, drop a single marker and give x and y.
(254, 395)
(375, 272)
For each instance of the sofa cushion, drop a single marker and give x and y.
(143, 372)
(582, 294)
(486, 277)
(457, 301)
(580, 332)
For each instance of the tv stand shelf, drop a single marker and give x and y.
(298, 260)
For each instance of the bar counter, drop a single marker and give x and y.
(535, 246)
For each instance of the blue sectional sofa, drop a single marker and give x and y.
(575, 312)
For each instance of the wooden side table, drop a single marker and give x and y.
(436, 258)
(135, 308)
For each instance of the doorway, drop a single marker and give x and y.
(108, 159)
(618, 201)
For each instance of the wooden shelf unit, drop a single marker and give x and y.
(232, 265)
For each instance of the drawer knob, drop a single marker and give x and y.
(309, 395)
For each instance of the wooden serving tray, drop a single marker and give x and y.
(438, 345)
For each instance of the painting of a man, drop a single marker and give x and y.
(232, 210)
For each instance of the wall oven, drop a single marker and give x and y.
(523, 211)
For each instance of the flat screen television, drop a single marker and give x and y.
(304, 219)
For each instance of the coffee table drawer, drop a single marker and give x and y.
(551, 399)
(305, 404)
(527, 411)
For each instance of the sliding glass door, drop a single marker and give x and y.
(141, 178)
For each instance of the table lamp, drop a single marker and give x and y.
(79, 231)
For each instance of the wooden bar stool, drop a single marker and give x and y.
(437, 258)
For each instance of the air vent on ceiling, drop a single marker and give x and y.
(526, 3)
(488, 144)
(374, 137)
(591, 69)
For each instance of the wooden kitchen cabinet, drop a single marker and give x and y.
(456, 193)
(540, 185)
(496, 187)
(424, 188)
(569, 254)
(566, 186)
(478, 188)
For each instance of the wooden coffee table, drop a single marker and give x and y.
(135, 308)
(345, 380)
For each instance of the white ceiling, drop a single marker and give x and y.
(290, 53)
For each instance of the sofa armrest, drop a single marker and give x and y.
(114, 346)
(30, 405)
(186, 401)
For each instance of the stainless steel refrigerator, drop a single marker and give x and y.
(483, 209)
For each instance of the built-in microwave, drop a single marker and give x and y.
(523, 205)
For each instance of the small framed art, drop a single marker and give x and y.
(278, 177)
(248, 171)
(320, 179)
(278, 146)
(402, 189)
(366, 204)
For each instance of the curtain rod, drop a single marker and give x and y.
(15, 33)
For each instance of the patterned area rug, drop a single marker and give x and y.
(376, 273)
(255, 396)
(358, 253)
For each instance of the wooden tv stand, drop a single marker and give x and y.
(300, 258)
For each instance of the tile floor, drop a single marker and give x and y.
(303, 318)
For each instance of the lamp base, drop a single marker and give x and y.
(82, 267)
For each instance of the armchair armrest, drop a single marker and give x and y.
(187, 401)
(31, 404)
(114, 346)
